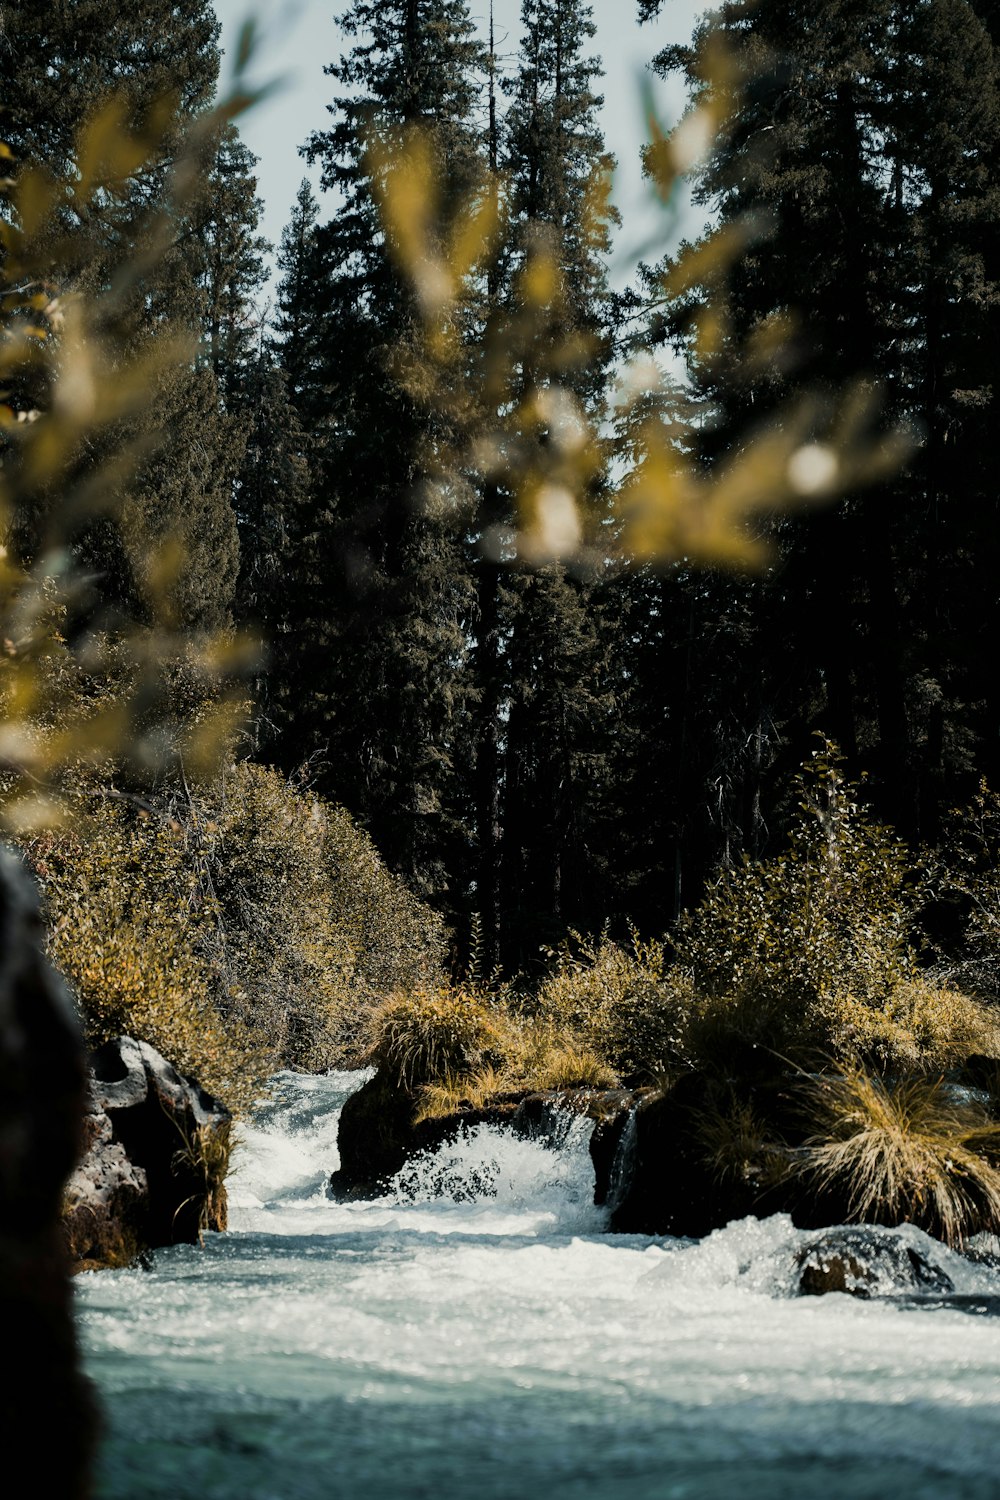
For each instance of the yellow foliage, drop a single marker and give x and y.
(624, 1004)
(440, 1035)
(124, 919)
(237, 927)
(902, 1152)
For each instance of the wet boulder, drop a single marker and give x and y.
(662, 1184)
(157, 1149)
(374, 1138)
(380, 1131)
(866, 1262)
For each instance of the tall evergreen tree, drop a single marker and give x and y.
(381, 662)
(866, 142)
(552, 625)
(59, 65)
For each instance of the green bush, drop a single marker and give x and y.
(237, 926)
(625, 1004)
(814, 953)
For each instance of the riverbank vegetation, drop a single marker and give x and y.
(530, 787)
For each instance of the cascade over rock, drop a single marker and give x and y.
(378, 1132)
(144, 1180)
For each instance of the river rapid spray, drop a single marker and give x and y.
(475, 1335)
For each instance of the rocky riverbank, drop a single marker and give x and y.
(156, 1151)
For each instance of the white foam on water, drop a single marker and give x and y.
(481, 1293)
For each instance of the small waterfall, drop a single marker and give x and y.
(623, 1165)
(494, 1165)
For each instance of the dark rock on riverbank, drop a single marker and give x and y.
(866, 1262)
(665, 1187)
(42, 1090)
(156, 1151)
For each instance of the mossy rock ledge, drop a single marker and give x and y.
(145, 1179)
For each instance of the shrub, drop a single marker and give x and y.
(312, 929)
(443, 1035)
(124, 918)
(908, 1151)
(237, 926)
(921, 1027)
(814, 952)
(625, 1004)
(967, 880)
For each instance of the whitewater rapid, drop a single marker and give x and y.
(476, 1335)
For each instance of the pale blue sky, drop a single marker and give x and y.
(299, 37)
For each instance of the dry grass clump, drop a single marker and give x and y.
(442, 1035)
(906, 1151)
(736, 1144)
(203, 1158)
(568, 1064)
(449, 1095)
(457, 1047)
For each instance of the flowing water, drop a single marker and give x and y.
(476, 1335)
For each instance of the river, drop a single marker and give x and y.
(476, 1335)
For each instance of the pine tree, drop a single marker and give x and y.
(229, 265)
(382, 660)
(866, 143)
(299, 324)
(553, 624)
(553, 153)
(59, 66)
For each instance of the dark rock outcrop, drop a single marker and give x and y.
(42, 1092)
(866, 1262)
(156, 1150)
(378, 1132)
(667, 1188)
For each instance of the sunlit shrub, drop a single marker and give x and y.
(237, 926)
(909, 1151)
(125, 919)
(967, 879)
(920, 1027)
(314, 930)
(814, 951)
(626, 1004)
(444, 1034)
